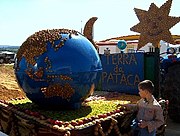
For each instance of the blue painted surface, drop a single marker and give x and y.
(122, 72)
(77, 60)
(169, 60)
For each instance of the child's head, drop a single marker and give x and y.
(146, 86)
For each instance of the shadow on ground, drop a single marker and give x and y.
(173, 129)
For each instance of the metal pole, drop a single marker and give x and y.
(157, 73)
(81, 26)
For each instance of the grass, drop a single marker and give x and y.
(91, 108)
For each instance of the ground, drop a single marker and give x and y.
(8, 86)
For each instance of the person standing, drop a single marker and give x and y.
(149, 112)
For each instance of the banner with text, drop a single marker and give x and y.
(122, 72)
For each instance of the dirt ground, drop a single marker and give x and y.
(8, 86)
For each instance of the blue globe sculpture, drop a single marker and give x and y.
(57, 68)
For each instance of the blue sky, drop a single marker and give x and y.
(21, 18)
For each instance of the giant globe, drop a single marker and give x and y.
(57, 68)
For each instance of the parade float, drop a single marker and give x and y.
(59, 70)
